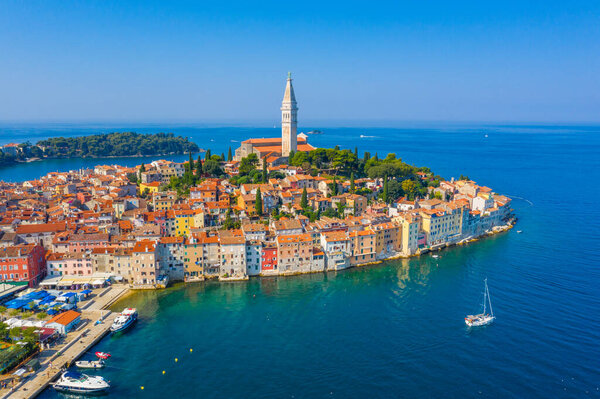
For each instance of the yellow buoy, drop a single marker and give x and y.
(142, 388)
(175, 359)
(164, 371)
(191, 350)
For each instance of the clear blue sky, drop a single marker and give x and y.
(226, 61)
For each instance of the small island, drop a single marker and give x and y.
(117, 144)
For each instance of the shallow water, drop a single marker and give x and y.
(397, 330)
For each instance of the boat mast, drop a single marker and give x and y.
(489, 299)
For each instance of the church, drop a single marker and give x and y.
(275, 151)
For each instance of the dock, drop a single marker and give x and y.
(86, 336)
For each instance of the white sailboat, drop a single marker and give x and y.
(482, 319)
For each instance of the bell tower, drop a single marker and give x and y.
(289, 119)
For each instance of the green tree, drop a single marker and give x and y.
(258, 206)
(142, 169)
(340, 209)
(385, 190)
(304, 199)
(410, 188)
(248, 164)
(229, 155)
(352, 186)
(222, 157)
(212, 168)
(265, 173)
(207, 154)
(356, 152)
(191, 165)
(199, 168)
(291, 156)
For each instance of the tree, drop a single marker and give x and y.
(229, 155)
(385, 190)
(199, 167)
(352, 187)
(223, 157)
(367, 156)
(410, 188)
(258, 207)
(304, 199)
(463, 177)
(191, 166)
(41, 315)
(340, 209)
(291, 156)
(334, 188)
(212, 168)
(356, 152)
(265, 173)
(142, 169)
(207, 154)
(248, 164)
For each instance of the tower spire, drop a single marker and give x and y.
(289, 119)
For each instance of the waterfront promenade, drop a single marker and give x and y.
(77, 343)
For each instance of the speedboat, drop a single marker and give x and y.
(124, 320)
(102, 355)
(93, 364)
(519, 231)
(74, 382)
(483, 318)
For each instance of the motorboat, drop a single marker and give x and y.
(93, 364)
(71, 381)
(102, 355)
(519, 231)
(124, 320)
(435, 256)
(482, 319)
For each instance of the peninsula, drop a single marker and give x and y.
(118, 144)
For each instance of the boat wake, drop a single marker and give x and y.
(362, 136)
(521, 198)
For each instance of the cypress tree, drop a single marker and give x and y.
(191, 163)
(258, 204)
(335, 187)
(385, 190)
(376, 157)
(291, 156)
(356, 152)
(304, 199)
(207, 155)
(352, 188)
(199, 167)
(264, 171)
(223, 156)
(229, 156)
(367, 156)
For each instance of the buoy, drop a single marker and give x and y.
(191, 350)
(142, 388)
(175, 359)
(164, 371)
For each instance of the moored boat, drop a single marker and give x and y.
(93, 364)
(124, 320)
(483, 318)
(70, 381)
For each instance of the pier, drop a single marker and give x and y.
(85, 337)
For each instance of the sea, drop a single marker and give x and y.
(393, 330)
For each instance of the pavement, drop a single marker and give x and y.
(76, 343)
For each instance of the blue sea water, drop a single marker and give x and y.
(393, 330)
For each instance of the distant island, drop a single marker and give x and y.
(118, 144)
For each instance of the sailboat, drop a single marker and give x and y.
(482, 319)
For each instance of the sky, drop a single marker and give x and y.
(352, 62)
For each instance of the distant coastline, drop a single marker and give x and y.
(109, 145)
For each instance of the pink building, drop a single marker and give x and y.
(69, 264)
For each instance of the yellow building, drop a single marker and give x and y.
(162, 201)
(151, 187)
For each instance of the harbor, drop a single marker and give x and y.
(55, 360)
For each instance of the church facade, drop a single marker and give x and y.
(276, 150)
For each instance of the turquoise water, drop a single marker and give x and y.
(397, 330)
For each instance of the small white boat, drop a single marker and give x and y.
(124, 320)
(93, 364)
(519, 231)
(482, 319)
(74, 382)
(435, 256)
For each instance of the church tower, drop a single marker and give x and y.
(289, 120)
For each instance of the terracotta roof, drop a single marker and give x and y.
(65, 318)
